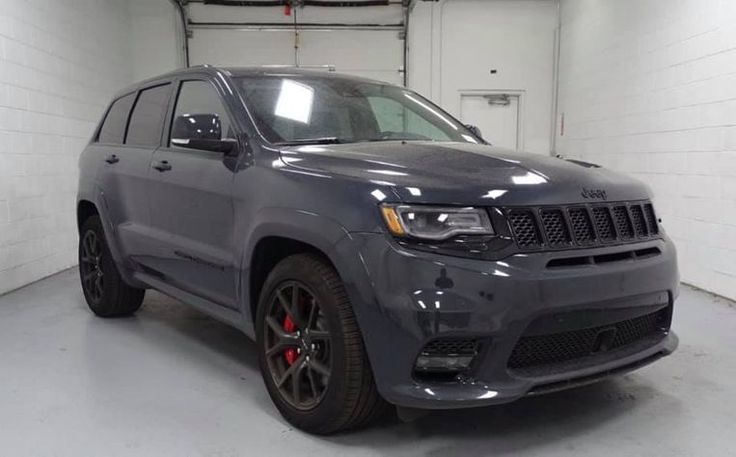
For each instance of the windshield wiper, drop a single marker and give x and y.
(323, 140)
(379, 140)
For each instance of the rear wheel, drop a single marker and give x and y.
(104, 290)
(311, 353)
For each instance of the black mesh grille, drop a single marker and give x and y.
(524, 227)
(640, 225)
(451, 346)
(651, 219)
(582, 226)
(555, 227)
(558, 348)
(623, 224)
(630, 331)
(604, 223)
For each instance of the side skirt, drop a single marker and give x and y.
(228, 316)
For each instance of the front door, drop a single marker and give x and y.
(191, 202)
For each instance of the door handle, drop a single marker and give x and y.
(162, 166)
(112, 158)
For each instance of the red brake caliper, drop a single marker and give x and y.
(290, 354)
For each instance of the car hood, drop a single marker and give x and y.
(465, 174)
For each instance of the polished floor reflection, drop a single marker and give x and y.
(173, 382)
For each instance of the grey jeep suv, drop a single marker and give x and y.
(377, 250)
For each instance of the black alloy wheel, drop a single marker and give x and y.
(310, 349)
(105, 291)
(89, 263)
(298, 346)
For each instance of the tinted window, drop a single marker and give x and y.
(198, 101)
(113, 129)
(148, 115)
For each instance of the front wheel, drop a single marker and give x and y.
(104, 290)
(311, 353)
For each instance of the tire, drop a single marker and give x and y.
(329, 338)
(104, 290)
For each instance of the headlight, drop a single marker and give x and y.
(434, 222)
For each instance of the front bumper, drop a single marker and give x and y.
(404, 299)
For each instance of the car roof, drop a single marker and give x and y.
(239, 72)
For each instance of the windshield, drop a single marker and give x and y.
(294, 109)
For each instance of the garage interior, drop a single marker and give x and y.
(645, 87)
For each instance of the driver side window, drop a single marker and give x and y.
(199, 115)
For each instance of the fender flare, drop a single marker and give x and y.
(96, 196)
(321, 232)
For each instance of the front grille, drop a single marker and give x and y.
(582, 227)
(604, 223)
(651, 219)
(590, 225)
(623, 223)
(558, 348)
(640, 225)
(525, 228)
(555, 227)
(451, 346)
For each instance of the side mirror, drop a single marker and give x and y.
(474, 130)
(201, 131)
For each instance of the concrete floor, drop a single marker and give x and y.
(173, 382)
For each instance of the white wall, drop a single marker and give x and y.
(156, 38)
(649, 87)
(59, 64)
(453, 45)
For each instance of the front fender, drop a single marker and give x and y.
(322, 232)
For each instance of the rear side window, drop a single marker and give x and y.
(113, 129)
(147, 119)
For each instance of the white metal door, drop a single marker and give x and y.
(232, 48)
(368, 53)
(496, 115)
(371, 54)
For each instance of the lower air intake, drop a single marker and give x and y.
(556, 349)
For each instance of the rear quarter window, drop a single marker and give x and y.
(113, 127)
(147, 118)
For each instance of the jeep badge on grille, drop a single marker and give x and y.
(594, 193)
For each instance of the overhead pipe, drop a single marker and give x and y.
(289, 26)
(324, 3)
(346, 3)
(248, 2)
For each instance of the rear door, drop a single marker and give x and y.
(191, 201)
(128, 136)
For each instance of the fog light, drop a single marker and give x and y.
(444, 359)
(443, 362)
